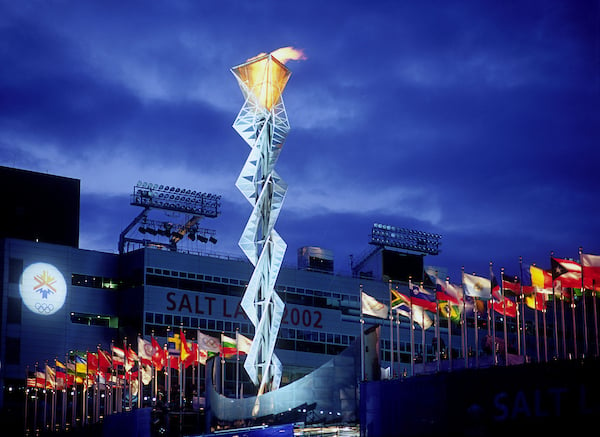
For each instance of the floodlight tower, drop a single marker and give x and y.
(263, 124)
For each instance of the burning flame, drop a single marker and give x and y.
(284, 54)
(265, 76)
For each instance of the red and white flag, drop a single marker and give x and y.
(590, 265)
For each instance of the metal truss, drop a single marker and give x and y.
(263, 124)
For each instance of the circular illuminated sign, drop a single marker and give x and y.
(43, 288)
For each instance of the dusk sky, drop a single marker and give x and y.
(479, 121)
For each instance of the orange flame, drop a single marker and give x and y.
(284, 54)
(289, 53)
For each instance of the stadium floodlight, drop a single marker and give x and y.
(402, 238)
(170, 198)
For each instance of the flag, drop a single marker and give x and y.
(372, 307)
(145, 351)
(92, 362)
(422, 297)
(31, 379)
(118, 356)
(104, 360)
(536, 301)
(541, 279)
(189, 352)
(243, 343)
(50, 377)
(40, 379)
(208, 344)
(590, 265)
(494, 287)
(448, 309)
(476, 286)
(228, 346)
(72, 373)
(130, 358)
(80, 365)
(398, 298)
(146, 373)
(511, 284)
(419, 315)
(158, 355)
(505, 305)
(174, 345)
(61, 375)
(566, 271)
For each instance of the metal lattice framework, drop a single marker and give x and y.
(263, 124)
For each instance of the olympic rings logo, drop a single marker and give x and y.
(44, 308)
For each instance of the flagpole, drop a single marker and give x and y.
(449, 330)
(237, 364)
(563, 325)
(398, 339)
(585, 328)
(26, 399)
(362, 338)
(423, 350)
(391, 331)
(412, 331)
(575, 354)
(464, 338)
(437, 330)
(504, 308)
(493, 318)
(522, 298)
(554, 312)
(545, 335)
(594, 297)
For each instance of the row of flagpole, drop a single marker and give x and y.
(508, 298)
(87, 386)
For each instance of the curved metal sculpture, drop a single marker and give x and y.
(263, 124)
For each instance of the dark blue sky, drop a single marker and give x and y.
(479, 121)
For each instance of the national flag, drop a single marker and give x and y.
(495, 287)
(146, 373)
(130, 359)
(31, 379)
(50, 377)
(372, 307)
(145, 351)
(92, 361)
(80, 365)
(40, 379)
(158, 355)
(422, 297)
(476, 286)
(118, 356)
(174, 345)
(455, 292)
(398, 298)
(243, 343)
(228, 346)
(104, 360)
(536, 301)
(61, 375)
(504, 306)
(419, 315)
(448, 309)
(189, 352)
(566, 271)
(511, 285)
(590, 265)
(541, 279)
